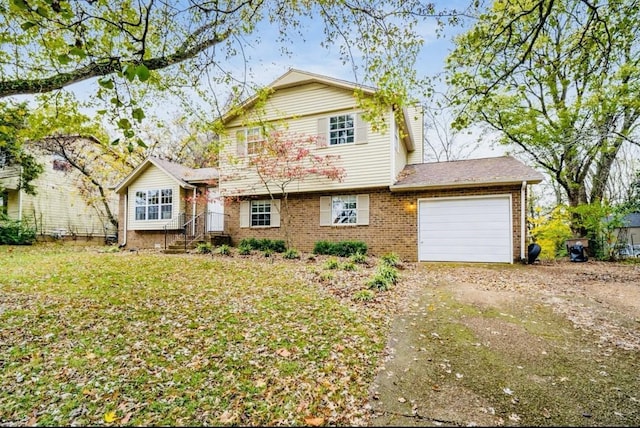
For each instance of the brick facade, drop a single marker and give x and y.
(393, 220)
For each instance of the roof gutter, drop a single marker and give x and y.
(467, 184)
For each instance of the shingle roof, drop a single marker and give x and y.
(466, 173)
(187, 174)
(182, 174)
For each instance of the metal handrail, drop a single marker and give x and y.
(195, 228)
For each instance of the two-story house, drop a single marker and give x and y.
(58, 209)
(472, 210)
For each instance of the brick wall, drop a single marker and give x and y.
(393, 222)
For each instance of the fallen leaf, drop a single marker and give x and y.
(313, 422)
(546, 413)
(226, 417)
(402, 399)
(283, 352)
(507, 391)
(126, 418)
(110, 417)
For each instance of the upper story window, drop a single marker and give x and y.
(255, 138)
(249, 140)
(341, 129)
(154, 204)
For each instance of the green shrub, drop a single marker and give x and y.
(224, 250)
(244, 249)
(350, 266)
(384, 278)
(14, 232)
(389, 273)
(291, 253)
(204, 248)
(358, 258)
(268, 252)
(390, 259)
(275, 245)
(364, 295)
(332, 263)
(340, 249)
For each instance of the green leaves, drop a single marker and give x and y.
(131, 71)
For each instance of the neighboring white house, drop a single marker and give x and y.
(58, 209)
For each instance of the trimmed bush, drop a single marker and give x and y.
(275, 245)
(340, 248)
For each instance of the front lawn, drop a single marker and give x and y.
(96, 338)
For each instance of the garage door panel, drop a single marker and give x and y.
(466, 229)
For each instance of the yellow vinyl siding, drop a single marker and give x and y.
(416, 119)
(366, 165)
(151, 179)
(58, 207)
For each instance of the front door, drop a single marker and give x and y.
(215, 210)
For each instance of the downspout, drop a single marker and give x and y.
(126, 218)
(20, 196)
(523, 207)
(193, 212)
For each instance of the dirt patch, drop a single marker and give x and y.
(544, 344)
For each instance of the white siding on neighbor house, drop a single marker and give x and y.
(58, 207)
(366, 165)
(153, 179)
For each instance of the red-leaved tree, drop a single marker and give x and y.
(285, 158)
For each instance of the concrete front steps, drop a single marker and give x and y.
(178, 246)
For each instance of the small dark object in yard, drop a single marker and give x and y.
(533, 251)
(577, 253)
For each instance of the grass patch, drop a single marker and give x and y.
(93, 338)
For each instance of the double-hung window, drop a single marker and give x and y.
(344, 209)
(255, 138)
(154, 204)
(341, 129)
(260, 213)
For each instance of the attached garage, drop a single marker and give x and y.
(465, 229)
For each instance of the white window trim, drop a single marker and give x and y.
(146, 205)
(362, 211)
(360, 130)
(242, 140)
(245, 214)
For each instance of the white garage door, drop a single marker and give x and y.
(465, 229)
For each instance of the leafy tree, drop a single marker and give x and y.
(13, 123)
(47, 45)
(560, 81)
(83, 144)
